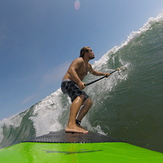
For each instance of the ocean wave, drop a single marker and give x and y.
(127, 105)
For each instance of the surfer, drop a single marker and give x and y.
(73, 85)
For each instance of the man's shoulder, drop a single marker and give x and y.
(79, 60)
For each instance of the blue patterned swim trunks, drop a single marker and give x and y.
(71, 88)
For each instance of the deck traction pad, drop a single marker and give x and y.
(63, 137)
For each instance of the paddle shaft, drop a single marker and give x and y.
(99, 78)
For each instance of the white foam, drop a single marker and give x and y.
(46, 114)
(99, 130)
(1, 134)
(13, 121)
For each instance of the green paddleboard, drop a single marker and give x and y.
(61, 147)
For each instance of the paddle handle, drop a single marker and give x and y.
(101, 77)
(94, 81)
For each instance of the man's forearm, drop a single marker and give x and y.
(99, 73)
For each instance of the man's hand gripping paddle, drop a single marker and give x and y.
(118, 69)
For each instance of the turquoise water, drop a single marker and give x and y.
(128, 105)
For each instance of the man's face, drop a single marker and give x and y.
(90, 54)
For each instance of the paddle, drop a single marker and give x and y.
(103, 76)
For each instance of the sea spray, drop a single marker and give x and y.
(47, 112)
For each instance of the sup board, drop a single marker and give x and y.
(62, 147)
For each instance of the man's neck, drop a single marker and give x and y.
(86, 59)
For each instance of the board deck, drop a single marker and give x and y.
(64, 137)
(59, 146)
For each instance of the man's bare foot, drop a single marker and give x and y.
(75, 128)
(81, 127)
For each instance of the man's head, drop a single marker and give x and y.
(88, 50)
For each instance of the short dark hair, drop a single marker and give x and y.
(83, 50)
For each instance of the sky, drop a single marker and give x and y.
(40, 38)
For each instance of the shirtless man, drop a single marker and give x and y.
(73, 86)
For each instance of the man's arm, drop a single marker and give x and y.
(97, 73)
(72, 71)
(75, 65)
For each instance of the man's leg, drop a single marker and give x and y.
(83, 111)
(74, 109)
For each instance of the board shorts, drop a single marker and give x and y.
(71, 88)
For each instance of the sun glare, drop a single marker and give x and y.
(77, 5)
